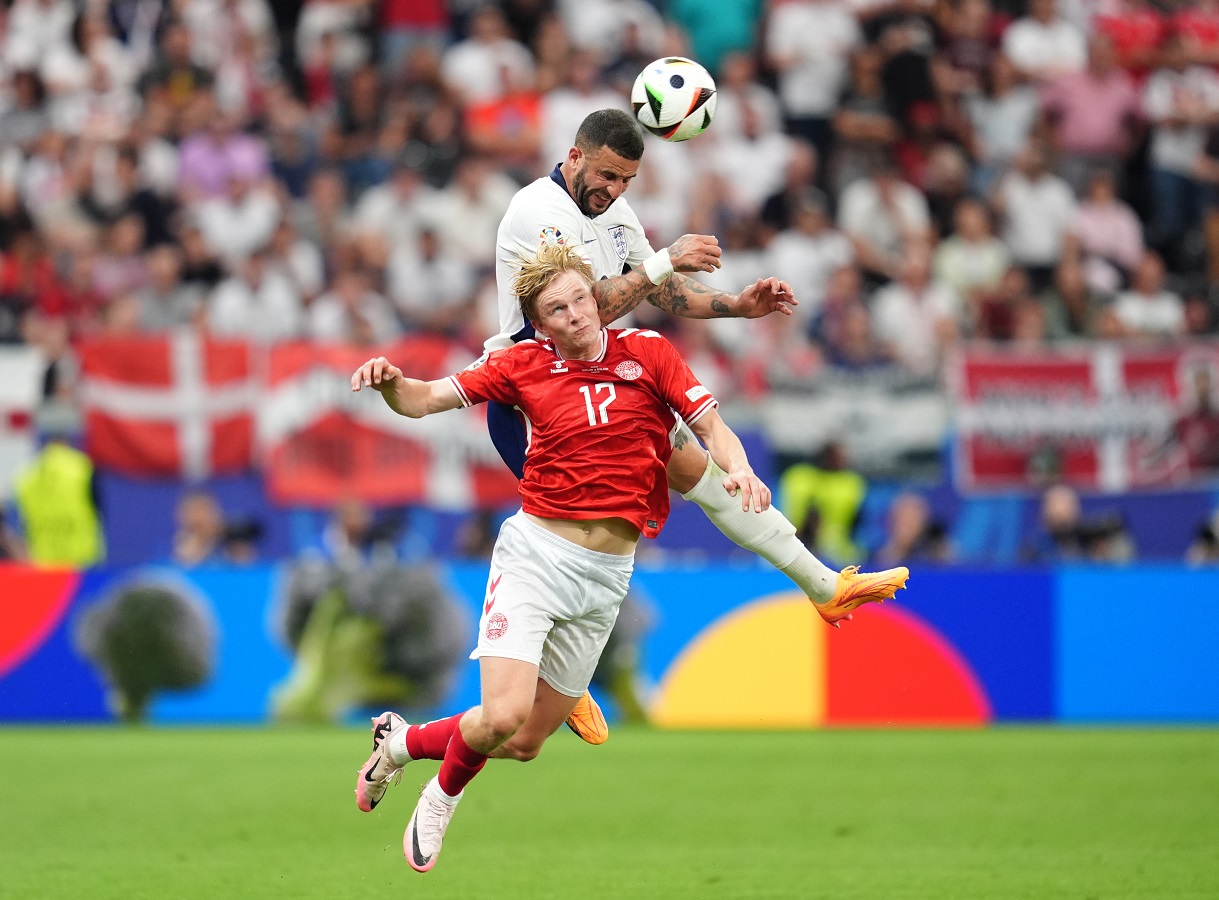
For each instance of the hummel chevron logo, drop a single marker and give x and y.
(491, 591)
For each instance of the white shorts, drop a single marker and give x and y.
(551, 603)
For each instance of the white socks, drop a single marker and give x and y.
(396, 748)
(767, 534)
(439, 794)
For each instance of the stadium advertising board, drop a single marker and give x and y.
(1103, 417)
(723, 647)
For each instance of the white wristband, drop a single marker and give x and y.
(658, 266)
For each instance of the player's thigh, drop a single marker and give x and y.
(688, 462)
(550, 710)
(508, 690)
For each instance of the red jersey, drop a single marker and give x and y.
(597, 430)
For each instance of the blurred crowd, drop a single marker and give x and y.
(922, 172)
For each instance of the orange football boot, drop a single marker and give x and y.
(587, 721)
(856, 588)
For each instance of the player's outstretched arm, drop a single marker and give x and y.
(405, 396)
(660, 282)
(726, 449)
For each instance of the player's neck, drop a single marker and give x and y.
(584, 351)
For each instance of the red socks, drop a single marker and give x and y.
(460, 764)
(431, 739)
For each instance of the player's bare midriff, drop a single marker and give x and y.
(611, 535)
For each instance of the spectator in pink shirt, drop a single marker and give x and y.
(209, 158)
(1092, 113)
(1106, 235)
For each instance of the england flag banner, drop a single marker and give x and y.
(320, 442)
(179, 405)
(1106, 417)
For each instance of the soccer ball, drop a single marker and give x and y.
(674, 98)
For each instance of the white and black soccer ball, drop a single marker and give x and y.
(674, 98)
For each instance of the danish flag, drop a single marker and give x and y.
(178, 404)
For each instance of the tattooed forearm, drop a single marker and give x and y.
(692, 299)
(681, 438)
(677, 294)
(618, 296)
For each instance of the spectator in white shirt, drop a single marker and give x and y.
(916, 317)
(809, 252)
(35, 29)
(392, 214)
(752, 164)
(809, 44)
(1043, 45)
(882, 215)
(260, 303)
(1181, 101)
(238, 222)
(352, 312)
(1001, 118)
(1147, 310)
(467, 211)
(972, 261)
(298, 258)
(565, 106)
(489, 63)
(1037, 208)
(736, 87)
(431, 289)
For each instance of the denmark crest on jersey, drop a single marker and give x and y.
(618, 236)
(629, 370)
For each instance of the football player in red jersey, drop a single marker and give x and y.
(599, 405)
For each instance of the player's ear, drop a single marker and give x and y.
(574, 155)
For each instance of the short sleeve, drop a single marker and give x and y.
(489, 378)
(678, 385)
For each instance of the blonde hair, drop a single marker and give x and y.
(539, 272)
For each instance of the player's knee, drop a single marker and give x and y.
(504, 723)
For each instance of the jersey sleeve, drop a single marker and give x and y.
(489, 378)
(678, 385)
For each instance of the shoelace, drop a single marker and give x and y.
(431, 827)
(392, 772)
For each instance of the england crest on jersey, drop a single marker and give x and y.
(618, 235)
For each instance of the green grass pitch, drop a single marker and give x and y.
(1004, 812)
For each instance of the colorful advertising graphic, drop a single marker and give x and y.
(718, 647)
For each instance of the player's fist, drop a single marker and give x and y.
(378, 373)
(695, 253)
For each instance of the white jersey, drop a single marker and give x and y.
(543, 212)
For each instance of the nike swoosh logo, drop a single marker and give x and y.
(420, 859)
